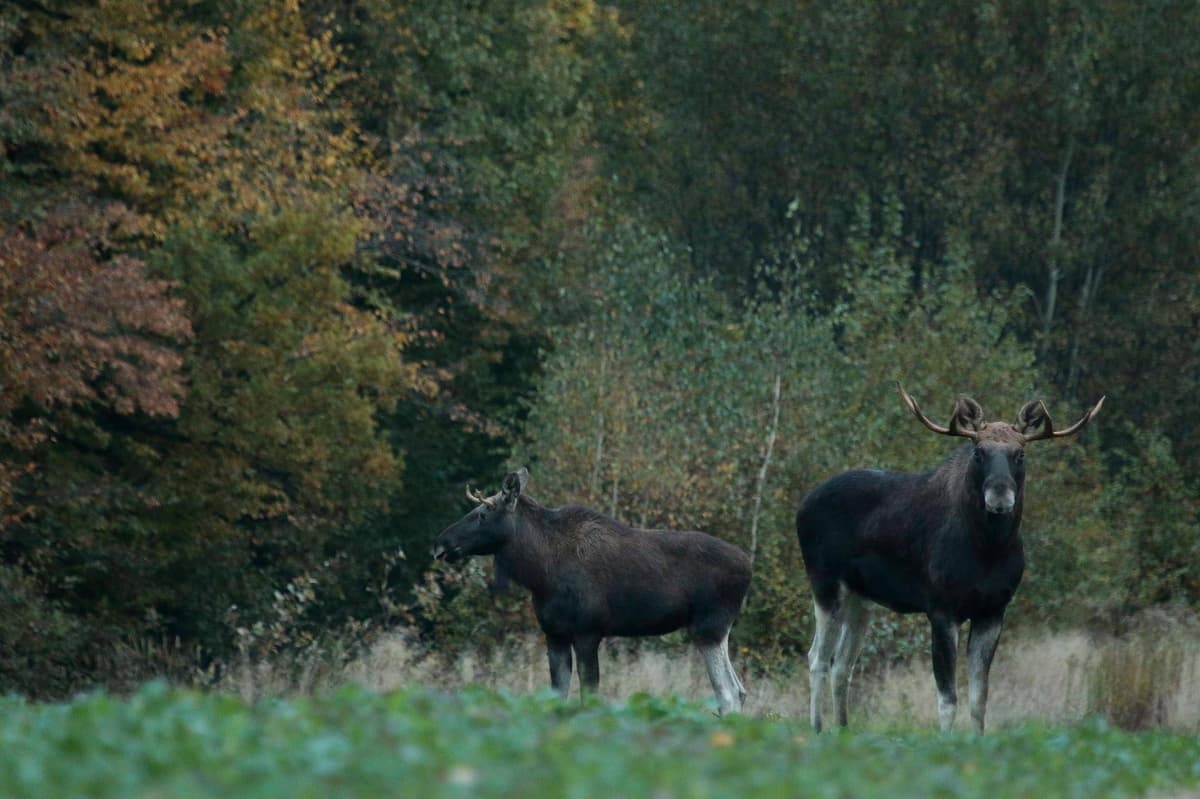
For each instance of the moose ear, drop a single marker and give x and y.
(967, 415)
(1032, 416)
(514, 485)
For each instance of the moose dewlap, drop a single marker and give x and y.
(592, 577)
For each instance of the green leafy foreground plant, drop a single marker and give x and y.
(166, 742)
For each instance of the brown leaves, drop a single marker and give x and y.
(74, 330)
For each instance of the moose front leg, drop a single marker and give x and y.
(945, 651)
(981, 646)
(587, 656)
(559, 652)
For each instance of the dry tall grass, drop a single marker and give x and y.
(1148, 676)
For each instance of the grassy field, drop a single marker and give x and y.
(414, 742)
(1146, 679)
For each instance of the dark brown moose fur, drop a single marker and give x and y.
(592, 577)
(945, 543)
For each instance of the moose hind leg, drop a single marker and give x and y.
(737, 681)
(826, 619)
(981, 646)
(558, 650)
(855, 620)
(724, 682)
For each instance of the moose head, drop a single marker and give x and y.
(487, 528)
(998, 460)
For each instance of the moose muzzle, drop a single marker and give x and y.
(1000, 496)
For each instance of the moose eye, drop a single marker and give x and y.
(1019, 455)
(978, 455)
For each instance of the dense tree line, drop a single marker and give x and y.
(278, 279)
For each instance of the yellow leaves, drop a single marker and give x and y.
(139, 106)
(124, 125)
(137, 48)
(579, 16)
(721, 739)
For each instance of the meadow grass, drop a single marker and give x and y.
(1148, 677)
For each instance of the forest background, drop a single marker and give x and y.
(279, 279)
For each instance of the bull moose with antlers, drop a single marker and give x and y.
(592, 577)
(945, 543)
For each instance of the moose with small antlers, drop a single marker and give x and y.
(593, 577)
(945, 543)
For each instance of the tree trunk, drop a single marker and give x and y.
(762, 472)
(1060, 201)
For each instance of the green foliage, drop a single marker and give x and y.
(494, 95)
(1104, 542)
(279, 443)
(639, 410)
(355, 743)
(41, 640)
(463, 606)
(1052, 143)
(1154, 514)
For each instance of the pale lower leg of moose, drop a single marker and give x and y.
(559, 652)
(722, 679)
(854, 627)
(737, 681)
(825, 624)
(981, 646)
(945, 652)
(587, 660)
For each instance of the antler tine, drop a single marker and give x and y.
(932, 425)
(1048, 430)
(479, 499)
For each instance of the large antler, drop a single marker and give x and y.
(955, 428)
(479, 499)
(1048, 430)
